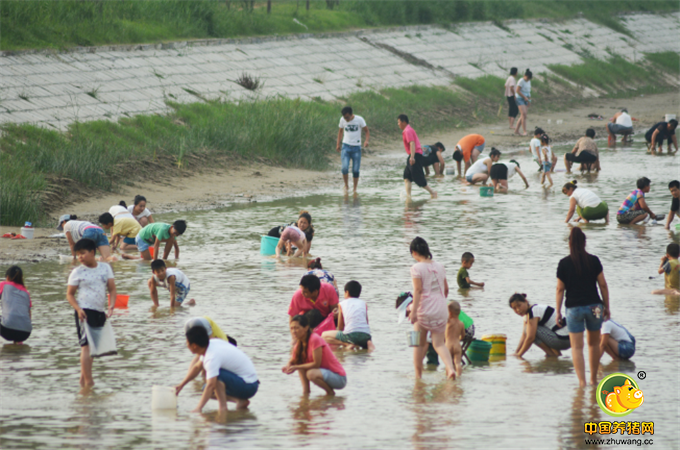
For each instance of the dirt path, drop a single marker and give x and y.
(213, 188)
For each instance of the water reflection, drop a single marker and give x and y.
(672, 303)
(314, 415)
(584, 409)
(430, 425)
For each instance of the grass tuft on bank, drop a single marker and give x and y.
(69, 23)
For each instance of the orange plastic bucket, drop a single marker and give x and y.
(151, 252)
(121, 301)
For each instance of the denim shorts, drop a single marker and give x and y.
(468, 178)
(480, 148)
(97, 235)
(352, 152)
(626, 349)
(236, 387)
(520, 100)
(334, 380)
(580, 318)
(181, 292)
(547, 166)
(141, 245)
(129, 241)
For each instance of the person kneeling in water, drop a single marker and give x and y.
(171, 279)
(230, 374)
(586, 203)
(540, 327)
(353, 326)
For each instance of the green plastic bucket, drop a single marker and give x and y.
(486, 191)
(268, 245)
(479, 351)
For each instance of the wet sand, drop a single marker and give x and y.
(214, 188)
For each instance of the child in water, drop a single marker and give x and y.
(296, 237)
(455, 332)
(91, 280)
(353, 328)
(464, 281)
(171, 279)
(669, 268)
(549, 159)
(15, 322)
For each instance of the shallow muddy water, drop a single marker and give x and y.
(517, 240)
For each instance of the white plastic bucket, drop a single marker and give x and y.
(669, 117)
(163, 397)
(27, 232)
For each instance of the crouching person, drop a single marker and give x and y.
(230, 374)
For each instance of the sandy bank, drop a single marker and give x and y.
(214, 188)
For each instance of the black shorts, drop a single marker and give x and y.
(275, 232)
(95, 319)
(498, 172)
(583, 157)
(514, 110)
(415, 173)
(14, 335)
(430, 159)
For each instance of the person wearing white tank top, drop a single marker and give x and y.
(621, 124)
(585, 203)
(353, 329)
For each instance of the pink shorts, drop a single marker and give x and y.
(433, 324)
(289, 234)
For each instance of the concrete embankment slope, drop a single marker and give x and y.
(56, 89)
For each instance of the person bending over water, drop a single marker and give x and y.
(171, 279)
(122, 228)
(579, 275)
(634, 208)
(15, 322)
(669, 268)
(413, 172)
(429, 312)
(313, 359)
(153, 234)
(501, 172)
(230, 374)
(616, 341)
(584, 152)
(479, 171)
(434, 158)
(468, 150)
(662, 131)
(75, 230)
(585, 203)
(294, 236)
(540, 327)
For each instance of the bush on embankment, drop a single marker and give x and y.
(69, 23)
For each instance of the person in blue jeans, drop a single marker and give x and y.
(578, 277)
(616, 341)
(349, 137)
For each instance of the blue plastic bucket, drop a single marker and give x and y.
(486, 191)
(268, 245)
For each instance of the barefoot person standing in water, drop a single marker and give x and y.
(349, 135)
(429, 311)
(413, 172)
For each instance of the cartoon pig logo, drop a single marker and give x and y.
(624, 398)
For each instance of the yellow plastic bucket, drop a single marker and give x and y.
(497, 342)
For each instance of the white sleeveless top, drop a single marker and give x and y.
(585, 198)
(624, 120)
(478, 167)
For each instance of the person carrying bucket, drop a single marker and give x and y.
(539, 328)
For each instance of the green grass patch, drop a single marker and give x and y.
(668, 61)
(68, 23)
(615, 76)
(292, 133)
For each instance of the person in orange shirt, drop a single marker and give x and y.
(468, 149)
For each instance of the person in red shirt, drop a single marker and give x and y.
(313, 359)
(313, 294)
(468, 150)
(413, 172)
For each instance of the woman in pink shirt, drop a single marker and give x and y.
(429, 309)
(413, 172)
(313, 359)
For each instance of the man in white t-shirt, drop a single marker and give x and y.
(349, 136)
(621, 124)
(230, 374)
